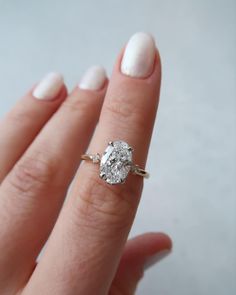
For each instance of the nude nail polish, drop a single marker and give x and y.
(49, 87)
(93, 79)
(139, 56)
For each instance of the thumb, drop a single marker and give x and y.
(139, 254)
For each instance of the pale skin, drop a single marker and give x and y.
(41, 142)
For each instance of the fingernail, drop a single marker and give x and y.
(93, 79)
(49, 87)
(139, 56)
(156, 258)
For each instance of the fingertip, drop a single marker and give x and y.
(130, 63)
(165, 239)
(156, 242)
(49, 87)
(94, 79)
(161, 247)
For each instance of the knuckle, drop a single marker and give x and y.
(117, 108)
(126, 111)
(75, 104)
(31, 175)
(21, 116)
(102, 204)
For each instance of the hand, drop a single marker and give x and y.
(41, 142)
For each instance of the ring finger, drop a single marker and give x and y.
(95, 221)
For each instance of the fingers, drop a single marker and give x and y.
(138, 252)
(32, 193)
(94, 224)
(22, 124)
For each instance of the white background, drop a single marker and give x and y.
(191, 194)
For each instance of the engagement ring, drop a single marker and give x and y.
(116, 162)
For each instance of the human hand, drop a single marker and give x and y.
(41, 142)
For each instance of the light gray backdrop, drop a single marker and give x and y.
(191, 194)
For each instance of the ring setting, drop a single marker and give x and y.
(116, 162)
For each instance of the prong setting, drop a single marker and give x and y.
(116, 162)
(103, 176)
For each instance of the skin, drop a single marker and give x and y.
(87, 251)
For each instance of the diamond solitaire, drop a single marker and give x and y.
(116, 162)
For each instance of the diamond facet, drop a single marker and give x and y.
(115, 162)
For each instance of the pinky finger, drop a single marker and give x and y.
(139, 253)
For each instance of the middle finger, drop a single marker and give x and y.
(95, 221)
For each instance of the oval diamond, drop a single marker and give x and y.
(115, 162)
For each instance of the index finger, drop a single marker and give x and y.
(88, 239)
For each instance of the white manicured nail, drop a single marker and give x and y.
(93, 79)
(156, 258)
(49, 87)
(139, 56)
